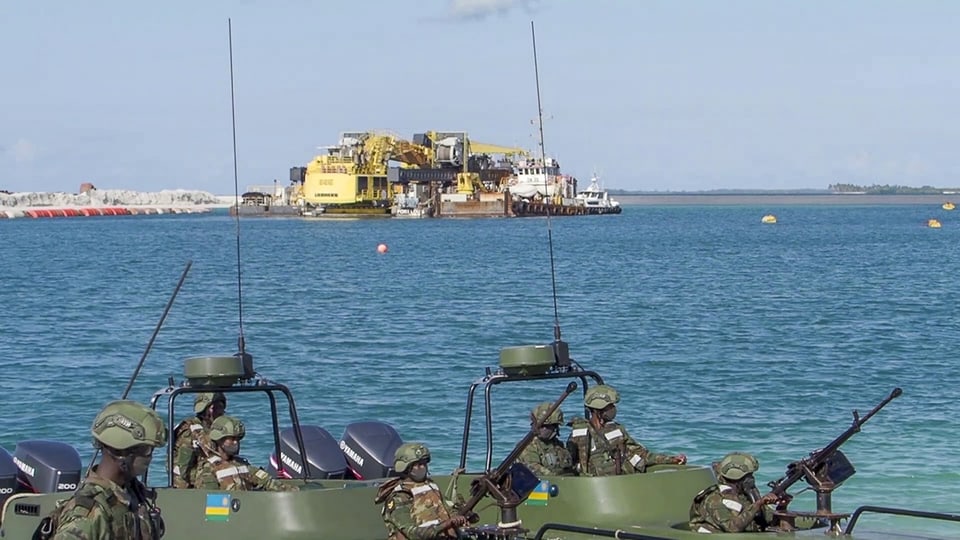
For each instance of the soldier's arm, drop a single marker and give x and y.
(262, 480)
(183, 459)
(634, 448)
(398, 512)
(83, 524)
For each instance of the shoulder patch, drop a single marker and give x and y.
(391, 505)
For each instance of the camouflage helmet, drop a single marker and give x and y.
(226, 426)
(205, 399)
(736, 465)
(601, 396)
(540, 411)
(124, 424)
(408, 454)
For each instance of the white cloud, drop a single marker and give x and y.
(479, 9)
(23, 151)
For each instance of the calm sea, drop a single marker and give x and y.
(720, 332)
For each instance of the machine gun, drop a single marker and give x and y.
(510, 483)
(824, 470)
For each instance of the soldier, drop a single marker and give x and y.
(111, 503)
(191, 443)
(601, 447)
(546, 455)
(225, 469)
(413, 507)
(729, 505)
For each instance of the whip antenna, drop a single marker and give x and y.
(560, 348)
(236, 191)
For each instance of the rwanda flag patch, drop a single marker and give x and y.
(218, 506)
(540, 494)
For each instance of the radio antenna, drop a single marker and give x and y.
(241, 344)
(560, 349)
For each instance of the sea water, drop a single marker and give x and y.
(720, 332)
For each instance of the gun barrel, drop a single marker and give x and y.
(798, 470)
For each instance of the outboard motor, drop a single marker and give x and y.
(8, 476)
(47, 466)
(369, 448)
(323, 455)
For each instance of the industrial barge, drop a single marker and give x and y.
(435, 174)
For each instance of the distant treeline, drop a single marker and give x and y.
(887, 189)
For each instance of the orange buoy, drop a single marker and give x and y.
(382, 248)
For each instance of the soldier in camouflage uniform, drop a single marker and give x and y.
(546, 455)
(413, 507)
(601, 447)
(225, 470)
(732, 504)
(192, 444)
(111, 504)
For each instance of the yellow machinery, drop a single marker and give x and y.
(356, 171)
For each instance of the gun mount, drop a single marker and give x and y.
(509, 484)
(824, 470)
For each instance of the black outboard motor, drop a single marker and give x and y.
(47, 466)
(8, 476)
(369, 447)
(323, 455)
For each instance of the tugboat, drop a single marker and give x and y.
(597, 197)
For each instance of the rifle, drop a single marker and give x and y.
(825, 469)
(498, 482)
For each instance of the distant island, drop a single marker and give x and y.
(833, 189)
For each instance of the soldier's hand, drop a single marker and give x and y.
(769, 498)
(455, 521)
(680, 459)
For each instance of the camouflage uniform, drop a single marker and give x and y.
(192, 442)
(236, 474)
(100, 510)
(547, 457)
(192, 445)
(595, 452)
(414, 510)
(720, 508)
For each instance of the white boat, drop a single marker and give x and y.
(595, 196)
(535, 178)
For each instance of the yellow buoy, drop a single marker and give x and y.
(948, 206)
(769, 218)
(933, 223)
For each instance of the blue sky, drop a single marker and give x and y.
(665, 95)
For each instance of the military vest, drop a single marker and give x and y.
(428, 507)
(552, 455)
(735, 502)
(603, 452)
(131, 514)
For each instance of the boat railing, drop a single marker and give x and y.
(855, 517)
(607, 533)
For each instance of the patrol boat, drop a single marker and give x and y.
(338, 478)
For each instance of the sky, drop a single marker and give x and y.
(652, 95)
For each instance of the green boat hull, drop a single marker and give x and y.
(655, 503)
